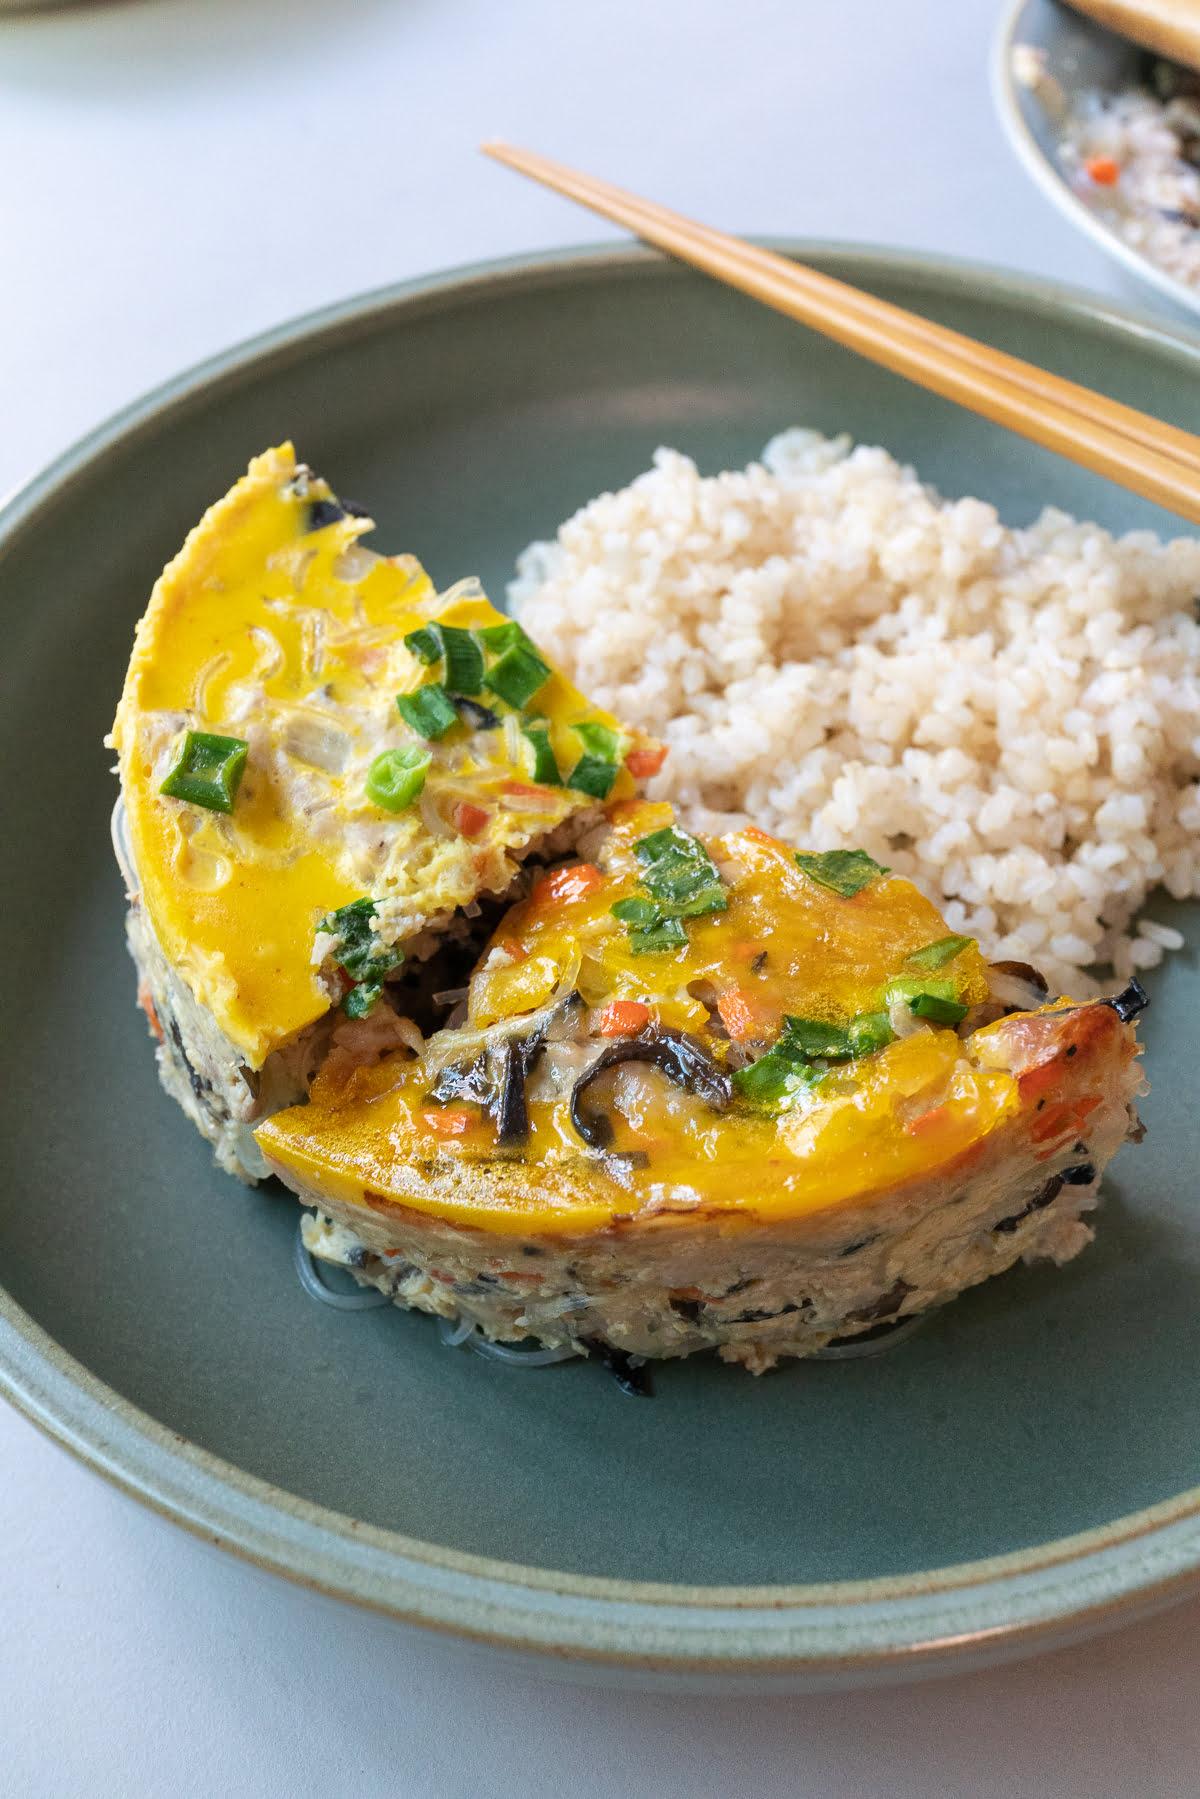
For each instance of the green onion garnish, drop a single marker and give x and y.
(499, 638)
(517, 675)
(665, 934)
(938, 1011)
(395, 778)
(361, 998)
(594, 776)
(430, 710)
(775, 1081)
(816, 1039)
(636, 910)
(680, 873)
(464, 659)
(650, 930)
(424, 646)
(787, 1069)
(596, 769)
(843, 871)
(599, 740)
(459, 648)
(207, 770)
(933, 999)
(360, 953)
(869, 1032)
(936, 955)
(545, 763)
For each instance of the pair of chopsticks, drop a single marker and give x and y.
(1142, 453)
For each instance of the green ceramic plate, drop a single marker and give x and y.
(1023, 1470)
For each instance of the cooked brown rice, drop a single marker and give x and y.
(1010, 717)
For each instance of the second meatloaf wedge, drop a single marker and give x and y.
(716, 1094)
(326, 767)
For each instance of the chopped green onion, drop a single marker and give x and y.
(359, 951)
(869, 1032)
(594, 776)
(499, 638)
(395, 778)
(936, 955)
(207, 770)
(517, 675)
(843, 871)
(430, 710)
(815, 1039)
(680, 873)
(636, 910)
(792, 1065)
(596, 769)
(909, 986)
(666, 934)
(463, 656)
(424, 645)
(650, 929)
(775, 1081)
(545, 763)
(936, 1000)
(464, 659)
(361, 998)
(599, 740)
(937, 1010)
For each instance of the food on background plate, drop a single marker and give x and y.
(1008, 717)
(715, 1093)
(1133, 156)
(327, 769)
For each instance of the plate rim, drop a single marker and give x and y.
(823, 1633)
(1049, 178)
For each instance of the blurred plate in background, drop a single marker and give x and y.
(1079, 56)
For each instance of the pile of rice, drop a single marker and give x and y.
(1011, 718)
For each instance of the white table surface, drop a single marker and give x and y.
(150, 214)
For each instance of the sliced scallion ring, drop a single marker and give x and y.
(396, 777)
(207, 770)
(545, 769)
(430, 710)
(517, 675)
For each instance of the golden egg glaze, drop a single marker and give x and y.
(928, 1103)
(274, 625)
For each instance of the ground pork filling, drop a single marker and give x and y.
(764, 1304)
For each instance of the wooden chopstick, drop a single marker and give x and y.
(1170, 27)
(1152, 458)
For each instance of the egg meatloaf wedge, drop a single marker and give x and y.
(716, 1094)
(325, 766)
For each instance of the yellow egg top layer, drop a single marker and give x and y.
(784, 946)
(275, 625)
